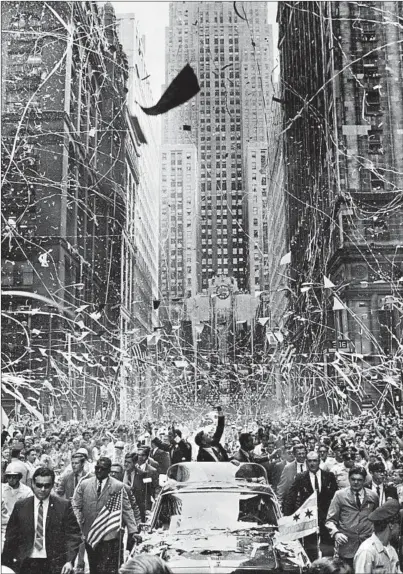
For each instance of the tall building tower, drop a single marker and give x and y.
(226, 123)
(341, 77)
(63, 180)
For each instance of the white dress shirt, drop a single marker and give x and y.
(103, 483)
(301, 467)
(45, 503)
(319, 477)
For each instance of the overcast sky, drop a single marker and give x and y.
(153, 18)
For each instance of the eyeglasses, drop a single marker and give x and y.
(45, 486)
(98, 467)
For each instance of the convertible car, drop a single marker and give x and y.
(219, 518)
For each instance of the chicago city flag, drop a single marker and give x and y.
(303, 522)
(109, 519)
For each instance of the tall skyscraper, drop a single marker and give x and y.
(226, 123)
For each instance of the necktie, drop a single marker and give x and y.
(301, 468)
(378, 491)
(99, 488)
(316, 483)
(39, 528)
(357, 498)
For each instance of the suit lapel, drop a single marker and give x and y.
(30, 519)
(105, 492)
(50, 515)
(308, 483)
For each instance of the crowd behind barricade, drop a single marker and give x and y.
(355, 466)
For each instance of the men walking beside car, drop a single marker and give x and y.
(290, 471)
(96, 495)
(304, 485)
(42, 535)
(347, 518)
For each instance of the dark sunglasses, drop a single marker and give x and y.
(43, 486)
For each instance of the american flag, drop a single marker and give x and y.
(108, 519)
(139, 351)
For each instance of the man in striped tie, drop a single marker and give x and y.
(42, 535)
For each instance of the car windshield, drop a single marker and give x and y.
(214, 510)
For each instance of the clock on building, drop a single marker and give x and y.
(223, 291)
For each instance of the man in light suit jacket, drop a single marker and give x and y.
(347, 518)
(290, 471)
(71, 478)
(42, 535)
(301, 489)
(90, 497)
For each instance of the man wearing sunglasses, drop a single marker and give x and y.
(43, 535)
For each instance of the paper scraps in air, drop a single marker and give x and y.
(43, 259)
(182, 88)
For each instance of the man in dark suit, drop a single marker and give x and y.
(303, 486)
(179, 450)
(160, 456)
(43, 535)
(378, 484)
(245, 452)
(210, 449)
(143, 481)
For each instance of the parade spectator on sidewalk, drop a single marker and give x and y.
(14, 489)
(378, 484)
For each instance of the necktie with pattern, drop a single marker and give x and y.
(99, 488)
(358, 501)
(39, 528)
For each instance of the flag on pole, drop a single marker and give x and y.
(108, 519)
(286, 259)
(327, 283)
(337, 304)
(303, 522)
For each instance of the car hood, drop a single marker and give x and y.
(223, 552)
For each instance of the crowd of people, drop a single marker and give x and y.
(66, 473)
